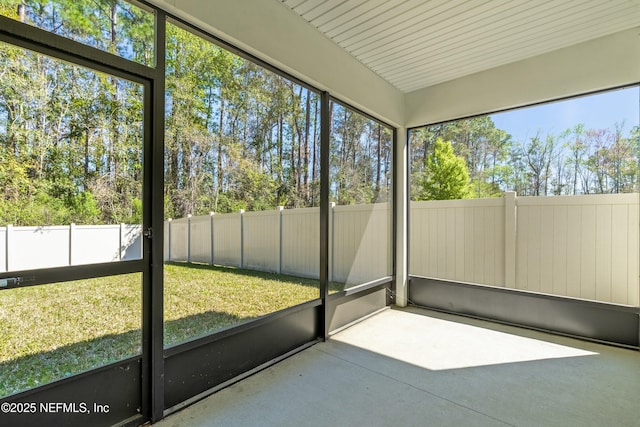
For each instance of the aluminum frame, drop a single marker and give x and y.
(325, 142)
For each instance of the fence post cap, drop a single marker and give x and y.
(189, 215)
(212, 213)
(241, 211)
(332, 204)
(280, 208)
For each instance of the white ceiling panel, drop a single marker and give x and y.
(418, 43)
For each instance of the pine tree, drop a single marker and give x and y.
(446, 175)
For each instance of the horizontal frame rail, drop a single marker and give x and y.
(43, 276)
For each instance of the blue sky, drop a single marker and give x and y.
(595, 112)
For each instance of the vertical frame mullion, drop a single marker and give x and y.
(405, 200)
(147, 246)
(393, 212)
(325, 139)
(153, 315)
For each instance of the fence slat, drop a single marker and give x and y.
(603, 253)
(559, 251)
(509, 261)
(633, 254)
(573, 247)
(588, 245)
(619, 245)
(545, 266)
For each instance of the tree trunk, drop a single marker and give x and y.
(22, 11)
(378, 162)
(307, 121)
(220, 139)
(112, 161)
(294, 132)
(280, 132)
(314, 173)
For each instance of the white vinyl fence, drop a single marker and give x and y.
(281, 241)
(288, 241)
(576, 246)
(25, 248)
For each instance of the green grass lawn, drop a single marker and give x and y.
(200, 299)
(53, 331)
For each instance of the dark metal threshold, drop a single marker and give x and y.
(595, 321)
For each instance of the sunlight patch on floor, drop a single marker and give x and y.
(438, 344)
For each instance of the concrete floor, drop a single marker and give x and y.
(413, 367)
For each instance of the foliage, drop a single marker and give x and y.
(578, 160)
(446, 176)
(115, 26)
(70, 137)
(237, 136)
(241, 137)
(483, 147)
(360, 158)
